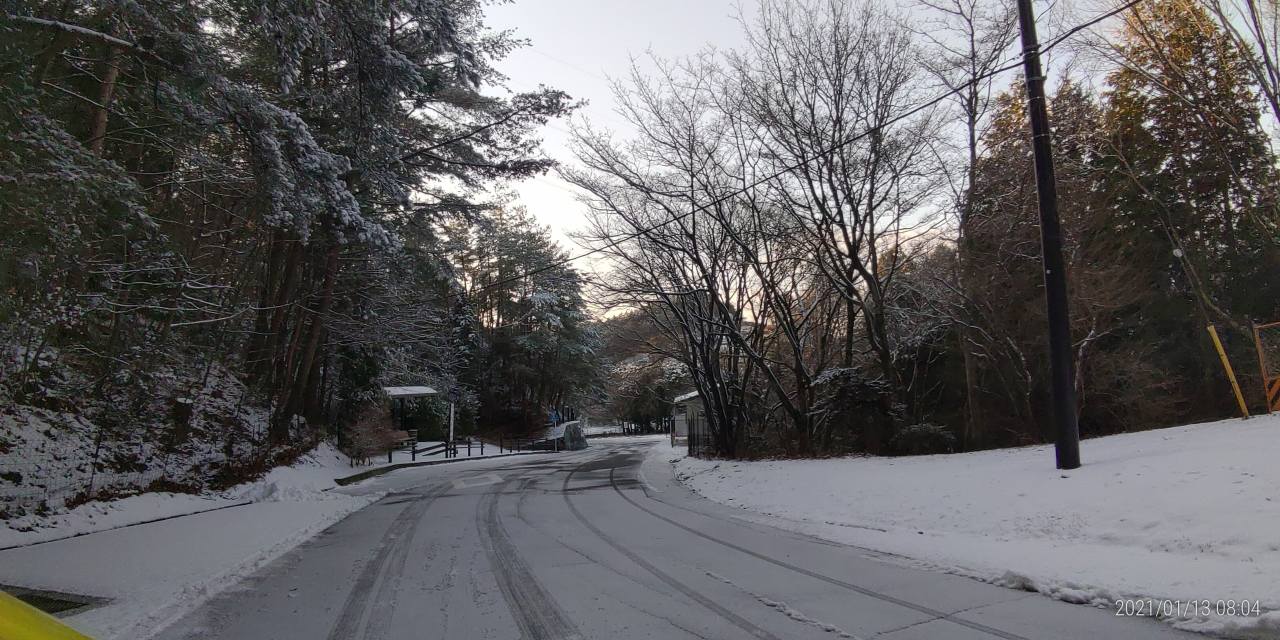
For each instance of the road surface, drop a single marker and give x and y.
(605, 544)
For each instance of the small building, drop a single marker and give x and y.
(687, 415)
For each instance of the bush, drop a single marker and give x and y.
(922, 439)
(863, 407)
(370, 434)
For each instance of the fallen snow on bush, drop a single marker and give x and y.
(1178, 514)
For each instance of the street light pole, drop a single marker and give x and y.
(1067, 445)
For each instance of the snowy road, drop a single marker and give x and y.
(605, 543)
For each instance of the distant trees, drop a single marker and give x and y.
(532, 347)
(753, 215)
(639, 378)
(842, 269)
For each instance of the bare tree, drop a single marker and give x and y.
(762, 211)
(966, 41)
(827, 87)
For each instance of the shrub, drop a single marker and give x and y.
(922, 439)
(370, 434)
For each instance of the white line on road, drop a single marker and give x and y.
(477, 481)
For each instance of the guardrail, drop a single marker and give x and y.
(507, 443)
(449, 449)
(452, 449)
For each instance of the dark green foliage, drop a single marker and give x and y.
(217, 199)
(923, 439)
(864, 406)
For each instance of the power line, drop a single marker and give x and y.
(803, 161)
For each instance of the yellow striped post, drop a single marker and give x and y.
(1231, 375)
(1270, 386)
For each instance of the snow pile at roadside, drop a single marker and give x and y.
(154, 573)
(307, 479)
(1185, 513)
(310, 478)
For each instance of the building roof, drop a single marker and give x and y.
(409, 392)
(686, 397)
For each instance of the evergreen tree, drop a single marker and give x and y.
(1195, 196)
(1003, 266)
(1183, 117)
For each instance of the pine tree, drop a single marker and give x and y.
(1183, 116)
(1195, 199)
(1004, 269)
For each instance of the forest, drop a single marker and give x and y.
(228, 224)
(834, 229)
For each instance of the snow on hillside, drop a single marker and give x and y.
(71, 450)
(307, 480)
(154, 569)
(1185, 513)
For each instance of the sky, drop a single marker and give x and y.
(577, 46)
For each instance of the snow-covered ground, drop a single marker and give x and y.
(601, 430)
(304, 481)
(156, 572)
(1178, 514)
(67, 451)
(313, 475)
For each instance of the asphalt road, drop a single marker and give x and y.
(605, 544)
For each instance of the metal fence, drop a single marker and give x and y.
(701, 441)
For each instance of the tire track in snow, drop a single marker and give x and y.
(386, 565)
(534, 610)
(934, 613)
(584, 554)
(692, 594)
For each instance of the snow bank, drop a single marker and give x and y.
(100, 516)
(1179, 514)
(155, 573)
(309, 478)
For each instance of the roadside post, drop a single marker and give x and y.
(1231, 374)
(453, 400)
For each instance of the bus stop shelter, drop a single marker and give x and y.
(400, 395)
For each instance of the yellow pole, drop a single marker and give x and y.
(1231, 375)
(1262, 367)
(20, 621)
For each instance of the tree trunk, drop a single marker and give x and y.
(256, 352)
(297, 391)
(106, 91)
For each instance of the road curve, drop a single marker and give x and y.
(604, 543)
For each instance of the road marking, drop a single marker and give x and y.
(477, 481)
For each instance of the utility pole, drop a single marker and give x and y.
(1067, 446)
